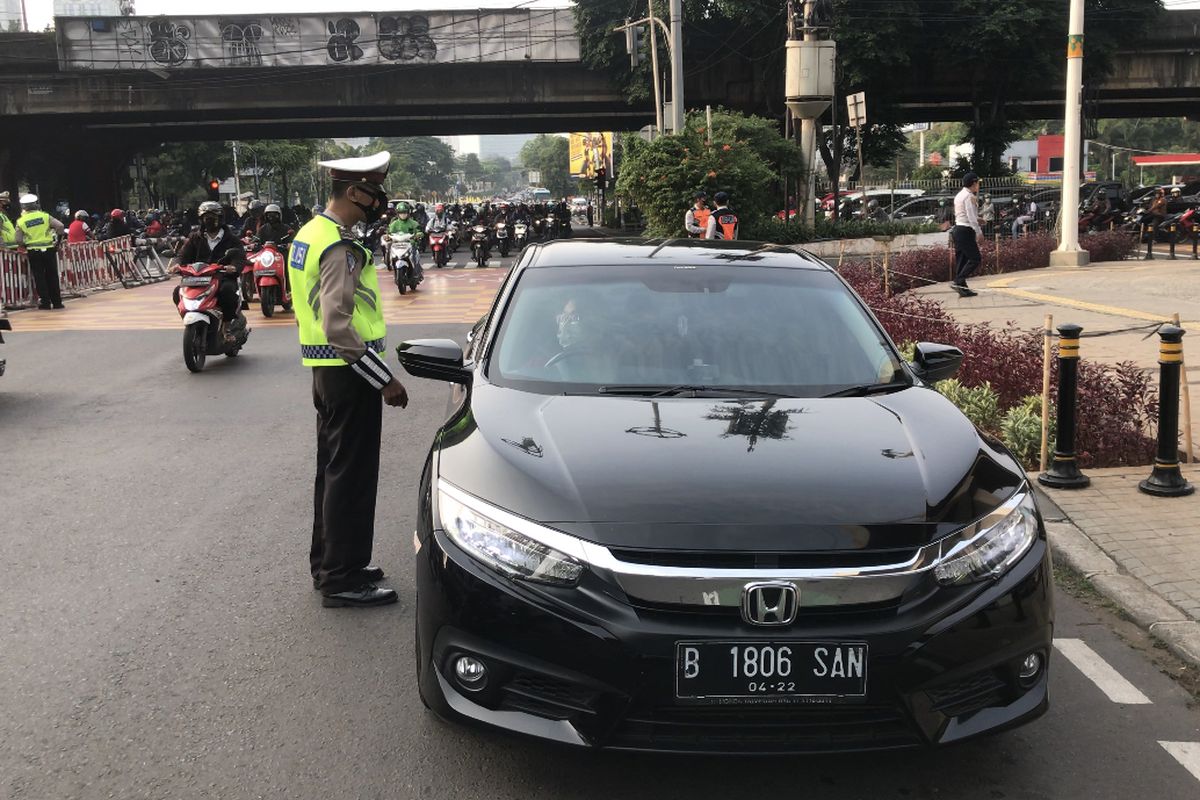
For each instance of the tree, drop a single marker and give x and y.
(741, 155)
(421, 165)
(470, 167)
(550, 155)
(177, 173)
(285, 164)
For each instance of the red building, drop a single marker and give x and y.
(1050, 153)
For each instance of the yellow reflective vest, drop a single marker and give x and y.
(35, 226)
(304, 260)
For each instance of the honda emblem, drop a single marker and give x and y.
(770, 603)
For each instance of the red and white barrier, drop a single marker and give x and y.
(83, 266)
(16, 281)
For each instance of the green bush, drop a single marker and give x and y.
(773, 229)
(980, 403)
(1021, 430)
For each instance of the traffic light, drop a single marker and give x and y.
(214, 189)
(634, 37)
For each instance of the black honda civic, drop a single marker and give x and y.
(689, 497)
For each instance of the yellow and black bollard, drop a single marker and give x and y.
(1171, 233)
(1148, 236)
(1064, 471)
(1165, 479)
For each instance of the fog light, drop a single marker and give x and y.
(1030, 667)
(471, 672)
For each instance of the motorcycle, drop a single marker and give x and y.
(551, 229)
(1185, 227)
(439, 245)
(480, 245)
(203, 324)
(502, 239)
(247, 277)
(520, 235)
(402, 259)
(270, 278)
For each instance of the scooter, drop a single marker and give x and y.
(1185, 227)
(520, 235)
(247, 277)
(480, 245)
(203, 324)
(439, 246)
(502, 239)
(402, 259)
(551, 229)
(270, 278)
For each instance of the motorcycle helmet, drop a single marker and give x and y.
(1103, 193)
(81, 214)
(258, 206)
(439, 208)
(116, 213)
(1176, 192)
(402, 210)
(273, 209)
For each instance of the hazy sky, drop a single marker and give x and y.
(40, 11)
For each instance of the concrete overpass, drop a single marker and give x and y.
(57, 106)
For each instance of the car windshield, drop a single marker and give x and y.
(670, 326)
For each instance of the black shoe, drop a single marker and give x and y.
(366, 595)
(59, 307)
(371, 573)
(45, 307)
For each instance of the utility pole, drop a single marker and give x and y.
(808, 84)
(677, 109)
(237, 182)
(658, 106)
(1069, 253)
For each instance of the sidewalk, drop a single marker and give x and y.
(1141, 552)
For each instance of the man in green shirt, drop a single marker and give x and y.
(404, 223)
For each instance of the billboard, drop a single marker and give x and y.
(589, 152)
(254, 40)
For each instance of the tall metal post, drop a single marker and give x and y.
(658, 104)
(808, 137)
(1069, 253)
(677, 107)
(237, 181)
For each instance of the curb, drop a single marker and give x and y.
(1149, 610)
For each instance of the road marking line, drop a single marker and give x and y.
(1187, 754)
(1082, 305)
(1098, 671)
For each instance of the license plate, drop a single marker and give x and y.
(743, 672)
(264, 272)
(196, 280)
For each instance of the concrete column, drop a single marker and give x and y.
(1069, 253)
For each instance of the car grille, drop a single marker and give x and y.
(547, 697)
(794, 729)
(751, 561)
(971, 694)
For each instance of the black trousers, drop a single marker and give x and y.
(44, 266)
(349, 423)
(966, 253)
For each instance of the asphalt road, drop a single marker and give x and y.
(159, 636)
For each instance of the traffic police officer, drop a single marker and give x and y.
(38, 232)
(8, 232)
(340, 318)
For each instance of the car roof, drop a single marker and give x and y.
(693, 252)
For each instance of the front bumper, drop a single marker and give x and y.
(585, 667)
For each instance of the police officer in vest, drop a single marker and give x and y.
(38, 233)
(8, 231)
(722, 223)
(695, 221)
(340, 317)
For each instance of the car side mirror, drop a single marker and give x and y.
(936, 362)
(436, 359)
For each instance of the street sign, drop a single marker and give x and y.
(856, 107)
(917, 127)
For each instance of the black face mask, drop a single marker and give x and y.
(211, 224)
(373, 212)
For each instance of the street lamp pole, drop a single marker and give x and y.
(1069, 253)
(677, 109)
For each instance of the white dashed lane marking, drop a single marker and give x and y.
(1187, 754)
(1098, 671)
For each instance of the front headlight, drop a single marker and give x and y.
(511, 545)
(989, 552)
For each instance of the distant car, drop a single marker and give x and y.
(689, 497)
(919, 211)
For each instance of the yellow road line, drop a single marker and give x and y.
(1082, 305)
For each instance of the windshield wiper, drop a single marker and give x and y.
(869, 388)
(643, 390)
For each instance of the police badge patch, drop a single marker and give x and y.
(351, 261)
(299, 253)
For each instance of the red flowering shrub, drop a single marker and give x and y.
(1117, 405)
(1108, 246)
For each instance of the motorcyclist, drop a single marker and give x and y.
(440, 221)
(421, 215)
(1101, 210)
(215, 243)
(254, 218)
(874, 212)
(1157, 211)
(1026, 213)
(78, 230)
(273, 228)
(117, 226)
(404, 223)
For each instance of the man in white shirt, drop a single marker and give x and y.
(966, 233)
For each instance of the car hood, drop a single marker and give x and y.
(895, 470)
